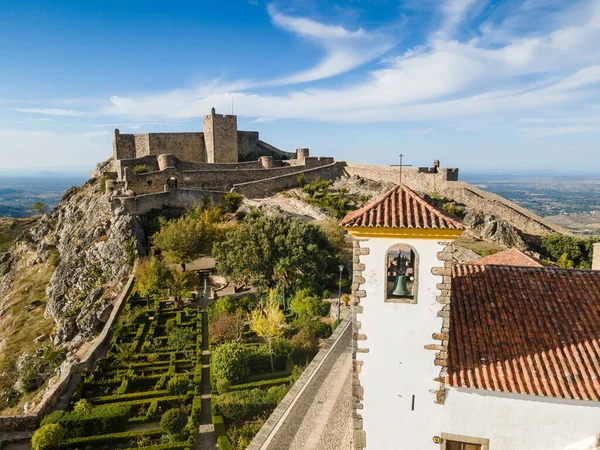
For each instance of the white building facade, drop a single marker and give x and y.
(408, 389)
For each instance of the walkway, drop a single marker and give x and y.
(321, 419)
(206, 439)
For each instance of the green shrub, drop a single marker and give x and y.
(140, 169)
(98, 420)
(305, 342)
(240, 437)
(48, 437)
(9, 398)
(173, 421)
(179, 385)
(171, 324)
(40, 366)
(223, 385)
(82, 406)
(245, 405)
(306, 305)
(232, 201)
(230, 361)
(110, 440)
(321, 329)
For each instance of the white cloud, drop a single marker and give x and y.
(345, 49)
(442, 80)
(50, 111)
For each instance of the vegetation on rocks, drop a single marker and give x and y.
(569, 251)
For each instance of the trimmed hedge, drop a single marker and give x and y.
(221, 432)
(132, 396)
(98, 420)
(108, 439)
(262, 383)
(248, 404)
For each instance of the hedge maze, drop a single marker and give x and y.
(153, 366)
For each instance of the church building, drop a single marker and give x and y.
(466, 356)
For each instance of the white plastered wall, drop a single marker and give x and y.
(397, 366)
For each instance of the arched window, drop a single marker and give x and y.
(172, 182)
(401, 274)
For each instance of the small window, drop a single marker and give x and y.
(458, 442)
(401, 274)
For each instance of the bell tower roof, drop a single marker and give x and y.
(401, 207)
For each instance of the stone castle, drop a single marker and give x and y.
(156, 170)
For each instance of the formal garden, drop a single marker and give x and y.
(147, 392)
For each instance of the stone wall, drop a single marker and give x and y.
(220, 180)
(123, 146)
(269, 186)
(176, 198)
(221, 138)
(70, 377)
(422, 179)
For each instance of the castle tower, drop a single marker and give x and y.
(220, 135)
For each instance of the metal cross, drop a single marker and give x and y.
(400, 168)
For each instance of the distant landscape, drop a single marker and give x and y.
(18, 194)
(571, 201)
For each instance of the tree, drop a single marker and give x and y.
(268, 322)
(282, 272)
(183, 239)
(226, 326)
(178, 385)
(179, 283)
(305, 305)
(252, 251)
(152, 278)
(173, 421)
(230, 362)
(48, 437)
(39, 208)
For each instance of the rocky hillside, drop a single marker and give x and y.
(59, 280)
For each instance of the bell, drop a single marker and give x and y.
(400, 289)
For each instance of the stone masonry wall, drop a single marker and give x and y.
(177, 198)
(596, 257)
(269, 186)
(186, 146)
(221, 138)
(123, 146)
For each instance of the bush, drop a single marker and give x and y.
(321, 329)
(246, 405)
(305, 343)
(306, 305)
(230, 361)
(232, 201)
(140, 169)
(48, 437)
(223, 385)
(101, 419)
(171, 324)
(82, 406)
(10, 397)
(173, 421)
(178, 385)
(40, 366)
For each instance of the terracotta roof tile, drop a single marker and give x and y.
(525, 330)
(400, 207)
(510, 257)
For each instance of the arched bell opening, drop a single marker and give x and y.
(401, 266)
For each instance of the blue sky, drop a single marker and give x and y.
(480, 85)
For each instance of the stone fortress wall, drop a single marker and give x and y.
(223, 159)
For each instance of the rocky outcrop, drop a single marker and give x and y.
(92, 252)
(493, 229)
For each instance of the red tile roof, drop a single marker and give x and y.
(525, 330)
(510, 257)
(400, 207)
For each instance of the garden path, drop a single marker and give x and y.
(207, 438)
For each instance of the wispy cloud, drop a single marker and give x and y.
(543, 132)
(50, 111)
(441, 79)
(345, 50)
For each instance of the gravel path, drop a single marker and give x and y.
(322, 417)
